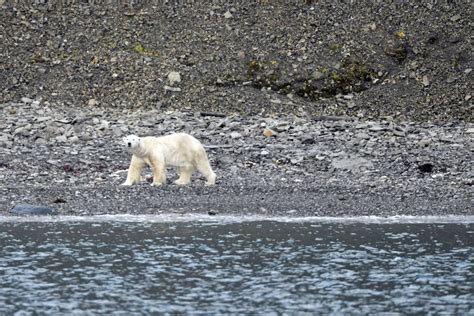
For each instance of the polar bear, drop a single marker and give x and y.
(179, 150)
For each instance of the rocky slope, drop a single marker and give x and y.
(408, 60)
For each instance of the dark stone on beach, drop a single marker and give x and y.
(29, 209)
(426, 167)
(308, 140)
(215, 114)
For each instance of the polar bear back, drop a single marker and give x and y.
(178, 149)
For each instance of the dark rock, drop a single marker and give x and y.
(216, 114)
(362, 136)
(426, 167)
(308, 140)
(29, 209)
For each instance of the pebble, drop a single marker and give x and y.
(173, 89)
(352, 163)
(268, 132)
(362, 136)
(174, 78)
(235, 135)
(26, 100)
(426, 81)
(398, 133)
(424, 142)
(456, 18)
(426, 167)
(308, 140)
(317, 75)
(61, 138)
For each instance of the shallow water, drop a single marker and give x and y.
(99, 266)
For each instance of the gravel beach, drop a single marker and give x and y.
(305, 109)
(73, 160)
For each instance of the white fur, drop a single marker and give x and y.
(178, 150)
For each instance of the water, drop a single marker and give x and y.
(128, 265)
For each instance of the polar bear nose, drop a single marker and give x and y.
(129, 144)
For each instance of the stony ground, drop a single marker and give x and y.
(73, 160)
(405, 59)
(324, 108)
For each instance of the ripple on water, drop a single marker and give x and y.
(235, 267)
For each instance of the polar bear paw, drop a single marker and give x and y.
(211, 180)
(181, 182)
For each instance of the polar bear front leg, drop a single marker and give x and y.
(133, 176)
(159, 171)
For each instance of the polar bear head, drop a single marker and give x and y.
(132, 142)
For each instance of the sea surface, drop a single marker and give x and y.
(130, 265)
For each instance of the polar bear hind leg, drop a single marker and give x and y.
(203, 166)
(133, 176)
(184, 175)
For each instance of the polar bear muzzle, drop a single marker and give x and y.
(131, 142)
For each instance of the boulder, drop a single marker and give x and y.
(29, 209)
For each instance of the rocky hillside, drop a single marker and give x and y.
(404, 59)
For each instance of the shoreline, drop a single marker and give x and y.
(230, 219)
